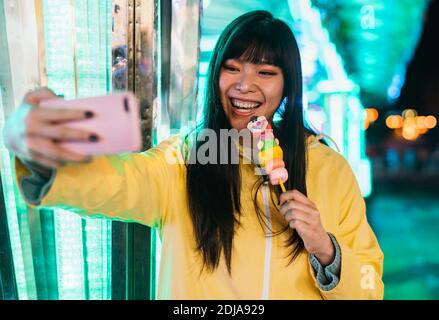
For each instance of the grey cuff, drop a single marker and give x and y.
(328, 277)
(35, 186)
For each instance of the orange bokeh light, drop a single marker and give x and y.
(430, 122)
(410, 132)
(394, 122)
(409, 113)
(372, 114)
(421, 122)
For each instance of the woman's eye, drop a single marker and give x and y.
(267, 73)
(231, 68)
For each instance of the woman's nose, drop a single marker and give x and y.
(246, 83)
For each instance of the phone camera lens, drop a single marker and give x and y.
(125, 104)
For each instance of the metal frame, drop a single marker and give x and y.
(132, 247)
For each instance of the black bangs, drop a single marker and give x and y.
(256, 43)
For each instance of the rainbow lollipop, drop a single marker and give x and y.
(270, 154)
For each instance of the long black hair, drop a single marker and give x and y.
(214, 189)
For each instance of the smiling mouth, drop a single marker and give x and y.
(244, 105)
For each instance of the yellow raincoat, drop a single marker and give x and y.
(149, 188)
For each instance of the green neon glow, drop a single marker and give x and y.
(13, 224)
(97, 255)
(365, 172)
(377, 38)
(156, 252)
(59, 42)
(69, 255)
(336, 120)
(11, 212)
(78, 64)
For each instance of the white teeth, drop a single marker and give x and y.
(245, 105)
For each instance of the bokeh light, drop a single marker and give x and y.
(410, 126)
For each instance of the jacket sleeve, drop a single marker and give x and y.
(132, 187)
(329, 276)
(35, 185)
(361, 256)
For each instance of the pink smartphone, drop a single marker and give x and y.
(116, 121)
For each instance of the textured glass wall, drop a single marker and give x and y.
(88, 48)
(15, 214)
(57, 254)
(78, 46)
(78, 64)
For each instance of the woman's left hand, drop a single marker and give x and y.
(303, 216)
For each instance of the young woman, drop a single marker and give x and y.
(226, 232)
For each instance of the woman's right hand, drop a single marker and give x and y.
(34, 133)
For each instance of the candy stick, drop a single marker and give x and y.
(282, 186)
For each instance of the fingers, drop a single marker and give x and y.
(299, 221)
(57, 115)
(60, 133)
(42, 122)
(34, 97)
(294, 195)
(53, 151)
(33, 132)
(303, 217)
(293, 210)
(298, 215)
(299, 225)
(296, 205)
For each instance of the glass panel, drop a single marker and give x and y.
(57, 255)
(11, 212)
(86, 48)
(78, 64)
(59, 50)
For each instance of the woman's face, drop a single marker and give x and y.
(248, 90)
